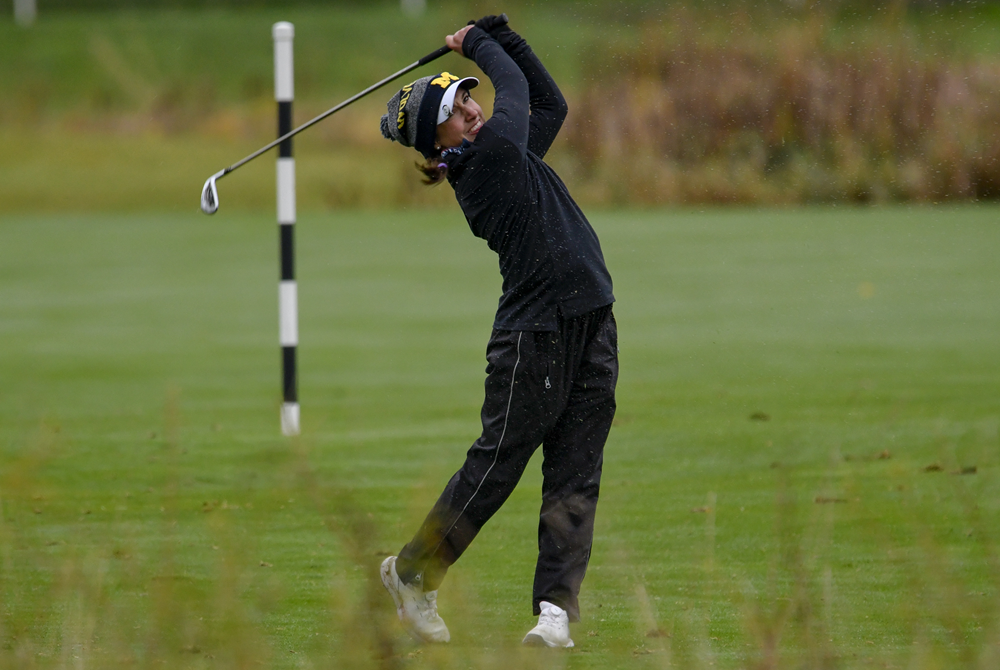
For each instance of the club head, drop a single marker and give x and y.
(210, 194)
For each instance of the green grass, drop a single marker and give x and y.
(158, 61)
(152, 513)
(133, 110)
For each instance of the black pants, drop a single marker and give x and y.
(556, 389)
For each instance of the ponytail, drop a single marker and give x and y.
(435, 170)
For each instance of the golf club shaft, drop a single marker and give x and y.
(423, 61)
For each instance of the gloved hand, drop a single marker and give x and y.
(492, 25)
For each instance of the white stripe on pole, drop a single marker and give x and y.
(286, 190)
(288, 301)
(290, 418)
(413, 7)
(284, 86)
(25, 12)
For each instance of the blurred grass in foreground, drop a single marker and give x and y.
(800, 392)
(729, 103)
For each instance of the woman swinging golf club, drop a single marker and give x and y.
(553, 355)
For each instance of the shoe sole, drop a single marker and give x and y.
(536, 640)
(385, 572)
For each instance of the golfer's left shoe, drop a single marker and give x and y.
(416, 608)
(552, 629)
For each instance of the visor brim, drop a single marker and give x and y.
(446, 108)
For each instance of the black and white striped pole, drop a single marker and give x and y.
(288, 309)
(288, 301)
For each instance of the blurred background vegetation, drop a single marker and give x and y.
(128, 104)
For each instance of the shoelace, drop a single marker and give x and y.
(429, 604)
(549, 618)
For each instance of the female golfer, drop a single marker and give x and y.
(553, 355)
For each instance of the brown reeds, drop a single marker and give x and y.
(790, 114)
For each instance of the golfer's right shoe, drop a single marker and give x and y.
(552, 629)
(417, 609)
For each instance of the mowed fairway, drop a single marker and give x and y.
(800, 394)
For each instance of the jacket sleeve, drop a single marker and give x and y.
(510, 118)
(548, 106)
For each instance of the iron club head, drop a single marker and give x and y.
(210, 194)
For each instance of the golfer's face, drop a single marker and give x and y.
(464, 123)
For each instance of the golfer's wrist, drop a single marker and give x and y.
(473, 39)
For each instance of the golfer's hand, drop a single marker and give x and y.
(454, 42)
(492, 25)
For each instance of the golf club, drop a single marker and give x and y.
(210, 192)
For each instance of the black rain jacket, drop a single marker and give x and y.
(550, 257)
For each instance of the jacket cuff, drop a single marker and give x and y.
(473, 39)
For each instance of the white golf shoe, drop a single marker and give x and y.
(417, 609)
(552, 629)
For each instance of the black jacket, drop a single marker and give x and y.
(550, 257)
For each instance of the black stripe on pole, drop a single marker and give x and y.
(285, 127)
(291, 385)
(286, 238)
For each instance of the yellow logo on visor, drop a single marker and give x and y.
(444, 80)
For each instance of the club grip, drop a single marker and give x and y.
(434, 55)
